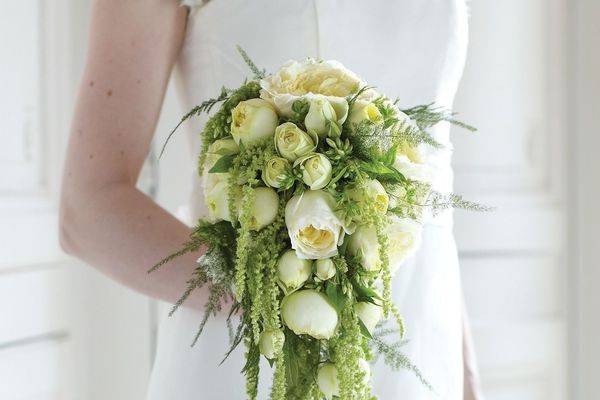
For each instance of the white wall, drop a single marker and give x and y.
(513, 260)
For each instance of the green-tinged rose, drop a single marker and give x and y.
(325, 269)
(364, 111)
(223, 147)
(271, 342)
(404, 238)
(327, 379)
(217, 201)
(371, 191)
(369, 313)
(276, 173)
(253, 120)
(313, 227)
(293, 271)
(316, 170)
(292, 142)
(322, 112)
(308, 312)
(411, 170)
(363, 243)
(264, 209)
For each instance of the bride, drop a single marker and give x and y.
(133, 48)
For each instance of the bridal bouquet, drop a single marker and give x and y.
(316, 187)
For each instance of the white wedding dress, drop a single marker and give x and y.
(413, 49)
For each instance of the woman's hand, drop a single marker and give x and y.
(105, 220)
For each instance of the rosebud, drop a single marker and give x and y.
(253, 120)
(276, 172)
(325, 269)
(369, 313)
(364, 111)
(264, 208)
(322, 113)
(293, 271)
(370, 191)
(216, 199)
(328, 382)
(316, 170)
(308, 312)
(271, 342)
(292, 142)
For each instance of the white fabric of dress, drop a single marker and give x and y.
(412, 49)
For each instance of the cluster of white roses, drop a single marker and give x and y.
(314, 226)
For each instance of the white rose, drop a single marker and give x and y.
(364, 111)
(264, 208)
(369, 313)
(216, 199)
(275, 173)
(325, 269)
(253, 120)
(416, 154)
(271, 342)
(308, 312)
(412, 170)
(363, 243)
(322, 112)
(371, 190)
(396, 192)
(314, 229)
(309, 79)
(404, 239)
(292, 142)
(293, 271)
(316, 170)
(328, 382)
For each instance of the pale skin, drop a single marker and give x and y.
(105, 220)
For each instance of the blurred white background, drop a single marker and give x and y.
(531, 86)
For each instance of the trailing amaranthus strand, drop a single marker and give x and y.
(243, 241)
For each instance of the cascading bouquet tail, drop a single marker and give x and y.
(316, 187)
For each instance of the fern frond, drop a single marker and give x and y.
(397, 360)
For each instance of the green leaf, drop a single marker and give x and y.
(365, 293)
(364, 330)
(390, 156)
(378, 170)
(335, 296)
(223, 164)
(339, 175)
(300, 106)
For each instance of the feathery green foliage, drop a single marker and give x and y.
(258, 73)
(395, 359)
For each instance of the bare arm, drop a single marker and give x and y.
(105, 220)
(472, 390)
